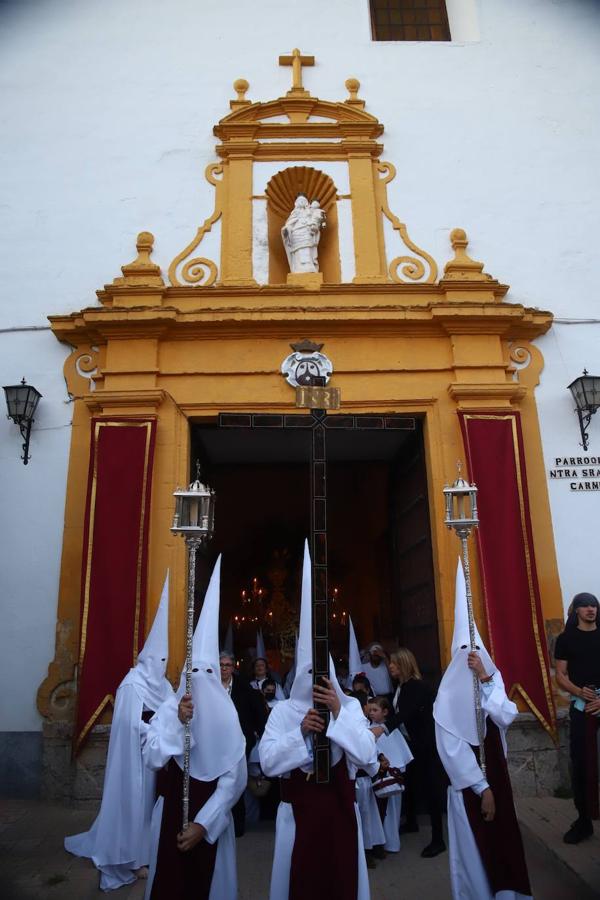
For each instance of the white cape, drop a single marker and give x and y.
(467, 874)
(119, 839)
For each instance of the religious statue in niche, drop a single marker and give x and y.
(301, 234)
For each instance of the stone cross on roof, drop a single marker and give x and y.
(296, 60)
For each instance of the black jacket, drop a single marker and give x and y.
(251, 709)
(415, 712)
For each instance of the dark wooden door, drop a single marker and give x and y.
(413, 585)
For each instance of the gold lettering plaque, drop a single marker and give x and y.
(318, 397)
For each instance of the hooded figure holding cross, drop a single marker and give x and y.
(318, 839)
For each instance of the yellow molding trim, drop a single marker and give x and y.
(98, 325)
(101, 401)
(512, 391)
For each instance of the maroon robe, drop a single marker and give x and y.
(179, 875)
(325, 856)
(499, 842)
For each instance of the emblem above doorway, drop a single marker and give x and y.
(305, 364)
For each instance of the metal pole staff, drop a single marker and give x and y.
(476, 685)
(461, 515)
(192, 547)
(194, 521)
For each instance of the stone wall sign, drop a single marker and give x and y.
(581, 473)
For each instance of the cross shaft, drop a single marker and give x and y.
(296, 60)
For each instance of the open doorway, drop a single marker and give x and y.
(379, 540)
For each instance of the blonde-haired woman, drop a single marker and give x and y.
(412, 704)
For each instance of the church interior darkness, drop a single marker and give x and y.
(379, 540)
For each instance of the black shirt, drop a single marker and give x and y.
(581, 650)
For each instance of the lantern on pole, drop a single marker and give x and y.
(462, 517)
(194, 519)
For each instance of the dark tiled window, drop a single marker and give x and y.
(409, 20)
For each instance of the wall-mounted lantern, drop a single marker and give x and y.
(21, 401)
(586, 393)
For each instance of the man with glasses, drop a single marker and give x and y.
(577, 656)
(252, 713)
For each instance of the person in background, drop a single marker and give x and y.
(412, 713)
(370, 818)
(252, 716)
(376, 669)
(260, 670)
(397, 752)
(269, 692)
(341, 669)
(577, 656)
(360, 683)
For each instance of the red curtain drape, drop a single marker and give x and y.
(114, 570)
(494, 449)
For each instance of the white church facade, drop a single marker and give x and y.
(432, 136)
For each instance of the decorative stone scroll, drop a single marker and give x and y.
(200, 271)
(79, 369)
(417, 267)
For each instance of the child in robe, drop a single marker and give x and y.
(389, 804)
(372, 828)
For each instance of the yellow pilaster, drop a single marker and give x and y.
(236, 243)
(365, 220)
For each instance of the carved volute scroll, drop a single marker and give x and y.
(417, 265)
(199, 271)
(79, 369)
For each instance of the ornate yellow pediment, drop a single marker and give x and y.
(270, 151)
(327, 149)
(304, 121)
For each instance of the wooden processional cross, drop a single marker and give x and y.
(319, 400)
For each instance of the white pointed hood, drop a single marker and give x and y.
(355, 665)
(217, 740)
(228, 643)
(261, 653)
(148, 674)
(289, 678)
(289, 713)
(454, 707)
(301, 692)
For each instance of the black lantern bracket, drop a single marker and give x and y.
(586, 393)
(21, 402)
